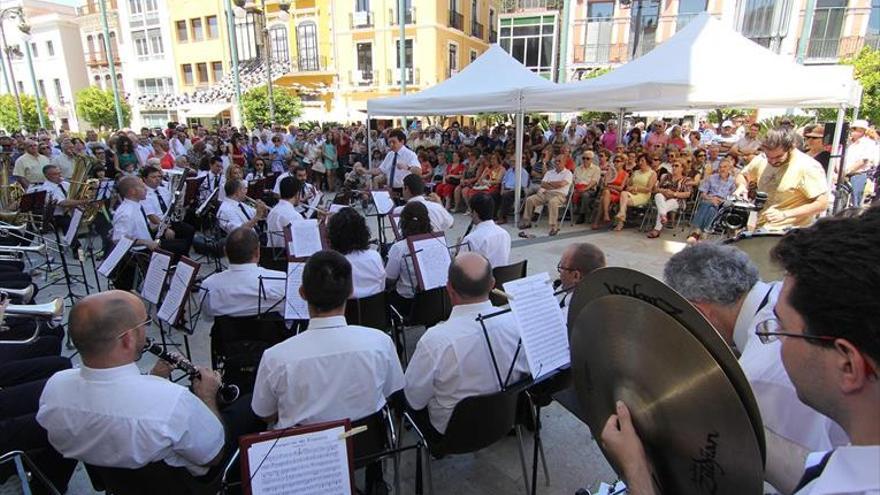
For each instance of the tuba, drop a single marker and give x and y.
(82, 187)
(10, 194)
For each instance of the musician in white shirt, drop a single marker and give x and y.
(486, 238)
(107, 413)
(284, 213)
(214, 180)
(414, 190)
(292, 165)
(349, 235)
(399, 268)
(451, 361)
(57, 190)
(333, 370)
(130, 219)
(244, 289)
(159, 203)
(233, 213)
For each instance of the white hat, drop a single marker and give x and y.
(860, 124)
(727, 123)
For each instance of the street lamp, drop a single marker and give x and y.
(11, 13)
(284, 5)
(26, 37)
(638, 26)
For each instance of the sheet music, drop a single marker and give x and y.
(313, 203)
(75, 220)
(306, 238)
(295, 308)
(541, 323)
(335, 208)
(155, 277)
(384, 203)
(177, 293)
(313, 463)
(115, 255)
(433, 258)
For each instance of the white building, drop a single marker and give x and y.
(96, 60)
(149, 60)
(57, 58)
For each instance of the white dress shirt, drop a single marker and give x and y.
(452, 361)
(367, 273)
(232, 214)
(277, 188)
(781, 410)
(151, 202)
(212, 181)
(64, 163)
(55, 193)
(491, 241)
(329, 372)
(281, 215)
(236, 291)
(143, 153)
(400, 267)
(406, 159)
(861, 155)
(851, 470)
(116, 417)
(553, 176)
(441, 220)
(129, 221)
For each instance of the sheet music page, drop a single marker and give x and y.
(306, 238)
(433, 258)
(75, 220)
(313, 463)
(383, 201)
(295, 308)
(315, 201)
(115, 255)
(177, 293)
(335, 208)
(541, 323)
(155, 277)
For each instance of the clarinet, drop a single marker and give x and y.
(175, 210)
(227, 393)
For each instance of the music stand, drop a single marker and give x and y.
(294, 306)
(425, 251)
(177, 302)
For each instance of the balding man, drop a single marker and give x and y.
(577, 261)
(233, 213)
(131, 219)
(451, 361)
(108, 414)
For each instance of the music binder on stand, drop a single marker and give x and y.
(381, 199)
(70, 278)
(311, 239)
(177, 307)
(430, 266)
(208, 212)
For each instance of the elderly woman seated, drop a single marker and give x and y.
(713, 191)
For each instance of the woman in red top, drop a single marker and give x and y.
(235, 151)
(611, 193)
(160, 151)
(451, 180)
(489, 180)
(676, 139)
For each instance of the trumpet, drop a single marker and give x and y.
(25, 294)
(40, 312)
(19, 228)
(38, 249)
(227, 394)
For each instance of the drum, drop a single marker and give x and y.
(758, 246)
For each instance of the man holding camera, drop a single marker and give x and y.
(795, 184)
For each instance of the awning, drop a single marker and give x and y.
(204, 110)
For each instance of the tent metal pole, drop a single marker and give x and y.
(836, 148)
(620, 114)
(369, 149)
(517, 194)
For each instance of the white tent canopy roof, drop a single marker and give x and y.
(491, 83)
(705, 65)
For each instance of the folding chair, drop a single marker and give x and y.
(156, 477)
(26, 471)
(429, 308)
(504, 274)
(369, 311)
(238, 343)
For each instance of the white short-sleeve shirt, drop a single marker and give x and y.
(367, 273)
(406, 159)
(232, 214)
(491, 241)
(236, 291)
(116, 417)
(129, 221)
(553, 176)
(281, 215)
(441, 220)
(400, 267)
(329, 372)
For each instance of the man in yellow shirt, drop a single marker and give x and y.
(797, 191)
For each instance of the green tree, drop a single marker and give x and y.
(866, 68)
(96, 106)
(256, 105)
(9, 115)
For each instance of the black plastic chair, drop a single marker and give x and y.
(156, 477)
(273, 259)
(504, 274)
(371, 311)
(428, 308)
(238, 343)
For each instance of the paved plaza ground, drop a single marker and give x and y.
(572, 456)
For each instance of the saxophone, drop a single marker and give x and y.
(84, 188)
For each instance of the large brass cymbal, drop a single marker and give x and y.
(758, 247)
(639, 286)
(696, 431)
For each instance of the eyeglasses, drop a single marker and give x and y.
(814, 137)
(561, 268)
(769, 331)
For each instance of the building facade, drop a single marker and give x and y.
(97, 59)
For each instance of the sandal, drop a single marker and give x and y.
(553, 232)
(526, 236)
(653, 234)
(618, 227)
(524, 226)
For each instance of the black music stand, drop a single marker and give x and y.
(185, 317)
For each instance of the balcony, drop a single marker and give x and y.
(477, 30)
(409, 16)
(362, 78)
(513, 6)
(308, 64)
(361, 20)
(594, 41)
(392, 76)
(98, 59)
(456, 20)
(93, 7)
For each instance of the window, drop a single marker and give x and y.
(141, 45)
(872, 36)
(20, 87)
(597, 33)
(135, 6)
(197, 31)
(473, 55)
(278, 37)
(687, 10)
(34, 52)
(827, 25)
(157, 48)
(247, 32)
(97, 80)
(217, 71)
(182, 34)
(531, 40)
(187, 74)
(155, 86)
(362, 5)
(213, 33)
(50, 48)
(151, 5)
(408, 59)
(364, 71)
(645, 34)
(42, 87)
(202, 69)
(452, 60)
(764, 21)
(90, 41)
(475, 11)
(59, 93)
(307, 42)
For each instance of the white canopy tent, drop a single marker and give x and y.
(493, 83)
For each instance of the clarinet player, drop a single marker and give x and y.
(159, 203)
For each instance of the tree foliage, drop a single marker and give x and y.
(96, 106)
(9, 114)
(866, 66)
(255, 104)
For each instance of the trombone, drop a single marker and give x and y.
(41, 312)
(19, 232)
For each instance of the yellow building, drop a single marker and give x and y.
(442, 37)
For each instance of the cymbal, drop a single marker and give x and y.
(694, 426)
(758, 247)
(639, 286)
